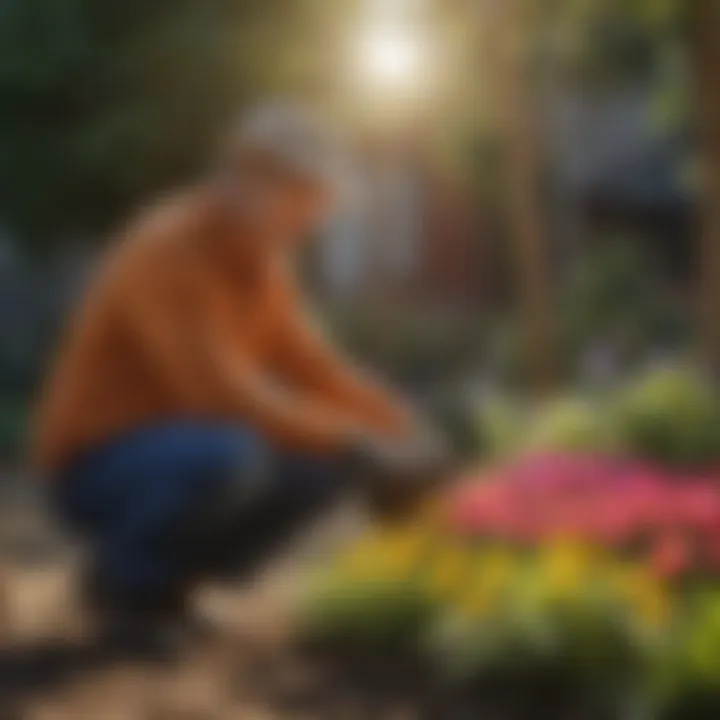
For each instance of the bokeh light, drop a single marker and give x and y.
(391, 58)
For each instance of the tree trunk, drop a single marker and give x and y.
(704, 50)
(504, 25)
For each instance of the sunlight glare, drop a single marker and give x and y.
(391, 59)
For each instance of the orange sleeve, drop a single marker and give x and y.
(184, 327)
(306, 358)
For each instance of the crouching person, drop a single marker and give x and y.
(196, 415)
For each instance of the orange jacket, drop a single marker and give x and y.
(188, 320)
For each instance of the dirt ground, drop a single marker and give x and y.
(50, 668)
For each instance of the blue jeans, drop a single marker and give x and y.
(163, 505)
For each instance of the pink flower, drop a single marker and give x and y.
(614, 523)
(711, 546)
(698, 505)
(609, 501)
(670, 557)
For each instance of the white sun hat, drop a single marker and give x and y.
(294, 138)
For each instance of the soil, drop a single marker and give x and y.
(52, 668)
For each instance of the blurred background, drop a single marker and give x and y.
(534, 213)
(537, 190)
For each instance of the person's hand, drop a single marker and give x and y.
(400, 473)
(423, 452)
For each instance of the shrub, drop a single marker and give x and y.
(574, 425)
(581, 620)
(372, 595)
(671, 415)
(689, 673)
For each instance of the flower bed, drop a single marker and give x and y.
(566, 579)
(560, 615)
(666, 520)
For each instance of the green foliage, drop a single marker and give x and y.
(671, 415)
(502, 424)
(575, 648)
(107, 103)
(457, 416)
(689, 668)
(389, 612)
(609, 41)
(614, 300)
(615, 294)
(505, 427)
(13, 427)
(574, 425)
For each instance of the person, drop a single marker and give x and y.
(196, 411)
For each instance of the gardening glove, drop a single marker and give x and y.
(399, 475)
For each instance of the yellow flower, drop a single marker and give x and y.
(564, 568)
(403, 547)
(646, 596)
(384, 553)
(360, 558)
(449, 572)
(491, 577)
(497, 568)
(655, 608)
(475, 603)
